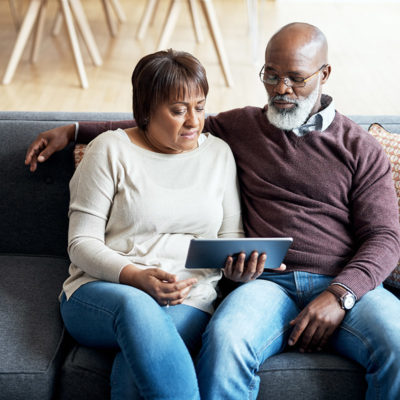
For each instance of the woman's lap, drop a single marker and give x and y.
(152, 338)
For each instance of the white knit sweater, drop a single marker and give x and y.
(130, 205)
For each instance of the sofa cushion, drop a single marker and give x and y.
(391, 145)
(86, 374)
(31, 330)
(293, 375)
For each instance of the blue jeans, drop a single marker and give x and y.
(155, 343)
(252, 324)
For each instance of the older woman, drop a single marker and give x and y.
(137, 199)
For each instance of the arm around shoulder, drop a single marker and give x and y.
(47, 143)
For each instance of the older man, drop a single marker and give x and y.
(308, 172)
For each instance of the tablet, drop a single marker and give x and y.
(212, 253)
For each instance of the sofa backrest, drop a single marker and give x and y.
(34, 206)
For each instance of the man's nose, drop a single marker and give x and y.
(282, 87)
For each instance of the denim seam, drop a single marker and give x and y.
(369, 348)
(252, 382)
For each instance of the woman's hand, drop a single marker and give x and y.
(47, 143)
(240, 271)
(162, 286)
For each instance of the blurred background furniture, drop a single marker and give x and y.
(35, 17)
(110, 7)
(15, 13)
(171, 19)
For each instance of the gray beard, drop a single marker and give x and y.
(288, 120)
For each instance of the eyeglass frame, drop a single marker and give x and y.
(287, 80)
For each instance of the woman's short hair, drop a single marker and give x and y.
(164, 76)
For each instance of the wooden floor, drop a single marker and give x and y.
(364, 40)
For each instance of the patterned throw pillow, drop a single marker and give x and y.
(391, 145)
(79, 152)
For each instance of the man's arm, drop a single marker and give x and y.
(56, 139)
(375, 221)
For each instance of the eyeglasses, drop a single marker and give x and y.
(294, 81)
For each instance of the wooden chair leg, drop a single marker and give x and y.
(170, 22)
(153, 17)
(74, 43)
(118, 10)
(39, 32)
(196, 21)
(58, 20)
(86, 32)
(15, 14)
(149, 11)
(110, 22)
(213, 27)
(253, 27)
(23, 35)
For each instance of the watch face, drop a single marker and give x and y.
(348, 301)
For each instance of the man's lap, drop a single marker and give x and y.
(259, 313)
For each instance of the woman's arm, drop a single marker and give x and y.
(93, 188)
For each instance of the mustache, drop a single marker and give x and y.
(281, 97)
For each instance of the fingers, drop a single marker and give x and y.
(300, 325)
(242, 271)
(281, 268)
(47, 152)
(316, 323)
(32, 154)
(176, 297)
(170, 291)
(163, 275)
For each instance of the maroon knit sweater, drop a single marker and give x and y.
(331, 191)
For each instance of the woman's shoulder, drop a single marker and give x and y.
(217, 143)
(108, 140)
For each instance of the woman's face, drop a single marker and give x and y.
(175, 126)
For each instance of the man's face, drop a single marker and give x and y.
(289, 107)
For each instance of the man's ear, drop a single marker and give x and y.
(326, 73)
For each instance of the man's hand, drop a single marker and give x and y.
(240, 271)
(47, 143)
(316, 323)
(161, 285)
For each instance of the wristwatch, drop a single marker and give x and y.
(346, 300)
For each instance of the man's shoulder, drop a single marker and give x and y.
(355, 135)
(238, 113)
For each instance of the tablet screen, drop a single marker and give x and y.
(212, 253)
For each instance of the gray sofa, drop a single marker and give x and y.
(38, 360)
